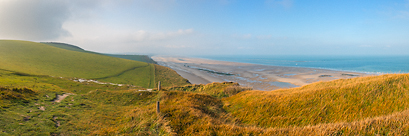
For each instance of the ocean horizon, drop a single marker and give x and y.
(364, 64)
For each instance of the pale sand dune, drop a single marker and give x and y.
(260, 77)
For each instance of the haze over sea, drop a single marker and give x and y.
(366, 64)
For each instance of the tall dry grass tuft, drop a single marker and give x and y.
(362, 106)
(342, 100)
(393, 124)
(218, 90)
(192, 113)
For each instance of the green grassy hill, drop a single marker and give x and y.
(33, 74)
(27, 106)
(65, 46)
(142, 58)
(41, 59)
(376, 105)
(167, 76)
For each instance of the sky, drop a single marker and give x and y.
(213, 27)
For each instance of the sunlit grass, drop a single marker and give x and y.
(375, 105)
(342, 100)
(218, 90)
(168, 77)
(359, 106)
(40, 59)
(94, 109)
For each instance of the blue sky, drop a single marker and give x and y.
(214, 27)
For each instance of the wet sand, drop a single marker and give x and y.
(260, 77)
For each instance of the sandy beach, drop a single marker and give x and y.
(260, 77)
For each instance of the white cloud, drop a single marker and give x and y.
(104, 38)
(33, 19)
(40, 20)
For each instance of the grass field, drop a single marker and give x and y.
(375, 105)
(343, 100)
(142, 58)
(168, 77)
(70, 61)
(65, 46)
(360, 106)
(94, 109)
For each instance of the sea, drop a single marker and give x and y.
(364, 64)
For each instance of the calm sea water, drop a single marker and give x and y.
(367, 64)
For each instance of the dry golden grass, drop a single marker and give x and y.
(342, 100)
(168, 77)
(395, 124)
(218, 90)
(192, 113)
(375, 105)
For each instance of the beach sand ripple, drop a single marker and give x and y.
(260, 77)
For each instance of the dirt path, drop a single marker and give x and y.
(59, 98)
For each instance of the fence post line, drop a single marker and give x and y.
(157, 107)
(159, 87)
(158, 102)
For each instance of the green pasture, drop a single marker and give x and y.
(41, 59)
(65, 46)
(142, 58)
(92, 109)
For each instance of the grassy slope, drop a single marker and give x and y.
(94, 109)
(361, 106)
(217, 90)
(65, 46)
(142, 58)
(41, 59)
(343, 100)
(140, 76)
(168, 77)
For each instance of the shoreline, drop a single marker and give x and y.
(333, 69)
(260, 77)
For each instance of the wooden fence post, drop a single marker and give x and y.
(159, 87)
(157, 107)
(158, 103)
